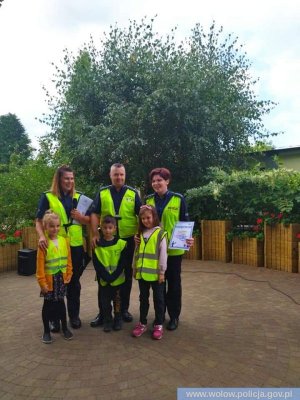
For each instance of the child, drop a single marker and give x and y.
(53, 272)
(149, 269)
(109, 259)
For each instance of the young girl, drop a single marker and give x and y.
(53, 272)
(149, 268)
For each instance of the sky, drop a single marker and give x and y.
(33, 34)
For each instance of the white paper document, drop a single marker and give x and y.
(83, 205)
(181, 232)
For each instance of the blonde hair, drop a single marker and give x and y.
(48, 217)
(55, 186)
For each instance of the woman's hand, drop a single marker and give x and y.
(43, 243)
(137, 240)
(95, 240)
(190, 242)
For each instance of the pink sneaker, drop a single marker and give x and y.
(157, 332)
(139, 330)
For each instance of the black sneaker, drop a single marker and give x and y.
(117, 325)
(46, 338)
(107, 326)
(54, 326)
(68, 335)
(126, 316)
(98, 321)
(173, 324)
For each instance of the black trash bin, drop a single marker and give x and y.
(26, 261)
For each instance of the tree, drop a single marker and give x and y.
(147, 101)
(20, 189)
(13, 139)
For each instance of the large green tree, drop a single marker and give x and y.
(13, 139)
(149, 101)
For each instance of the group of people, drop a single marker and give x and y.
(129, 240)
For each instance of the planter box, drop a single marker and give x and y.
(9, 256)
(215, 245)
(195, 252)
(248, 251)
(30, 237)
(281, 247)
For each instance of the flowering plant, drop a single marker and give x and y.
(248, 231)
(10, 236)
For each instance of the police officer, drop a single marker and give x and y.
(123, 203)
(171, 207)
(62, 198)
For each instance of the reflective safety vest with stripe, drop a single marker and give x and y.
(169, 218)
(147, 265)
(127, 225)
(67, 230)
(109, 257)
(56, 257)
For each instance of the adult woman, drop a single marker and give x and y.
(171, 208)
(62, 198)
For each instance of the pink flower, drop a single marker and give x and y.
(17, 234)
(2, 236)
(259, 221)
(280, 215)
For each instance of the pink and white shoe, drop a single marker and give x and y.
(139, 329)
(158, 332)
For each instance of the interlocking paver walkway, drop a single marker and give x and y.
(233, 332)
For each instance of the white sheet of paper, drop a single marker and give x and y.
(181, 232)
(83, 205)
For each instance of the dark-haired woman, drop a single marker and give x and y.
(171, 208)
(62, 199)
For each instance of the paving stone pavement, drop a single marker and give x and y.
(233, 332)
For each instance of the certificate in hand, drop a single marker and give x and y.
(181, 232)
(83, 205)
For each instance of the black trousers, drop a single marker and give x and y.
(158, 300)
(74, 287)
(54, 311)
(173, 291)
(110, 294)
(126, 287)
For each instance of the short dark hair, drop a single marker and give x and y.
(163, 172)
(109, 219)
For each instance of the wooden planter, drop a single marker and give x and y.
(281, 247)
(248, 251)
(9, 256)
(215, 245)
(195, 252)
(30, 238)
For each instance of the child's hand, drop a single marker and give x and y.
(68, 278)
(161, 278)
(45, 289)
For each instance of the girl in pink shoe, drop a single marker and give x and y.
(149, 266)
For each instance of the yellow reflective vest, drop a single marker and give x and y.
(56, 257)
(147, 264)
(109, 257)
(67, 230)
(169, 218)
(127, 225)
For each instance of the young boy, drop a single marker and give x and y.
(108, 260)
